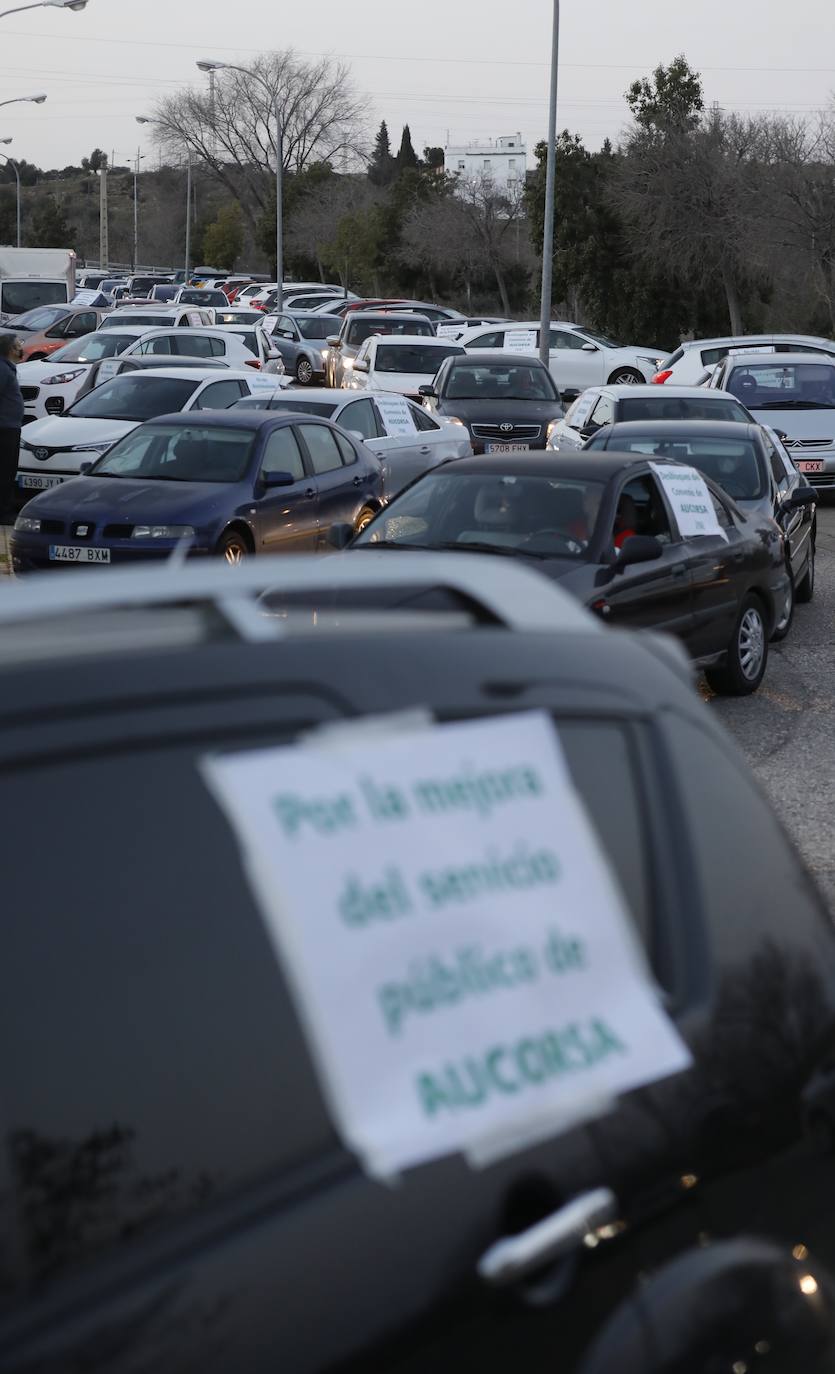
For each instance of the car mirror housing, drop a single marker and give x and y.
(427, 390)
(639, 548)
(589, 348)
(340, 536)
(278, 479)
(361, 365)
(334, 341)
(804, 496)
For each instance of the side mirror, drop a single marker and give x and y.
(569, 395)
(340, 536)
(85, 467)
(427, 390)
(278, 479)
(334, 341)
(804, 496)
(639, 548)
(589, 348)
(361, 365)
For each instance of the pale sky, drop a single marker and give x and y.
(472, 68)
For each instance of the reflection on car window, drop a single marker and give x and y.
(499, 381)
(734, 464)
(140, 397)
(192, 453)
(777, 386)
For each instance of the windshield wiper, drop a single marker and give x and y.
(392, 544)
(795, 405)
(482, 546)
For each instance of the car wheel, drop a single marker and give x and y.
(626, 376)
(364, 518)
(786, 615)
(747, 653)
(304, 372)
(233, 548)
(806, 585)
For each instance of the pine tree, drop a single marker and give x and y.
(407, 157)
(382, 168)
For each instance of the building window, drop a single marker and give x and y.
(462, 166)
(512, 164)
(487, 165)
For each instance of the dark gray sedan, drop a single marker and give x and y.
(750, 463)
(508, 401)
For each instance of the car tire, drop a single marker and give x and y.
(233, 547)
(626, 376)
(806, 585)
(785, 618)
(304, 371)
(736, 677)
(364, 518)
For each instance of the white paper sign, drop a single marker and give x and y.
(396, 415)
(450, 331)
(752, 348)
(458, 949)
(521, 341)
(85, 298)
(582, 409)
(269, 323)
(692, 504)
(108, 367)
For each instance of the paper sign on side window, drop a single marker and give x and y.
(520, 341)
(396, 415)
(582, 409)
(459, 952)
(450, 331)
(692, 503)
(108, 368)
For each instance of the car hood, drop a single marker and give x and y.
(495, 412)
(31, 374)
(62, 431)
(130, 500)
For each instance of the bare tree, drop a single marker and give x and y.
(234, 136)
(317, 227)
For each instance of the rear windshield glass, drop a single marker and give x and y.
(735, 464)
(360, 330)
(663, 407)
(784, 386)
(153, 319)
(134, 396)
(412, 358)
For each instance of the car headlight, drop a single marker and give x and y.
(25, 525)
(163, 532)
(348, 364)
(552, 424)
(324, 351)
(452, 420)
(63, 378)
(92, 448)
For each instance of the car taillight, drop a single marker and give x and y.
(661, 377)
(253, 362)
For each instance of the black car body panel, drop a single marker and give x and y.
(172, 1194)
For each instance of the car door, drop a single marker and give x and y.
(339, 490)
(718, 571)
(286, 517)
(795, 521)
(572, 429)
(219, 395)
(655, 595)
(575, 362)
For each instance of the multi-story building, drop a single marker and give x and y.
(504, 161)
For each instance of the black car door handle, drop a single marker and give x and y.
(561, 1233)
(679, 570)
(358, 481)
(426, 449)
(310, 493)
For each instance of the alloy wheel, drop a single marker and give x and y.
(751, 643)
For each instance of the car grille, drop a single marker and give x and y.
(506, 431)
(807, 443)
(820, 479)
(52, 527)
(30, 393)
(117, 531)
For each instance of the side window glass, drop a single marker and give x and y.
(603, 414)
(282, 454)
(562, 338)
(495, 339)
(321, 445)
(778, 470)
(423, 421)
(346, 449)
(218, 396)
(722, 514)
(164, 344)
(360, 416)
(217, 348)
(640, 510)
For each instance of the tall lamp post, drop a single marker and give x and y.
(14, 168)
(206, 65)
(144, 119)
(47, 5)
(550, 180)
(24, 99)
(137, 157)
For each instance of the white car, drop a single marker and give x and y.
(49, 387)
(235, 314)
(403, 363)
(158, 317)
(687, 365)
(242, 346)
(610, 405)
(578, 357)
(55, 449)
(258, 342)
(407, 440)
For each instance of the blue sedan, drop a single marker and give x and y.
(229, 484)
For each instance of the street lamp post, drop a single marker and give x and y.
(208, 66)
(46, 4)
(139, 157)
(14, 168)
(24, 99)
(144, 119)
(550, 187)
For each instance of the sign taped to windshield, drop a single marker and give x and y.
(459, 952)
(690, 498)
(396, 415)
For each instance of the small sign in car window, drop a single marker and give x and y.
(459, 951)
(108, 367)
(396, 415)
(520, 340)
(581, 410)
(690, 498)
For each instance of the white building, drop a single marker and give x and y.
(504, 161)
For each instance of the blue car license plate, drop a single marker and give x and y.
(70, 553)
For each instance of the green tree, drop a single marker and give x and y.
(95, 161)
(224, 238)
(433, 157)
(406, 156)
(49, 227)
(672, 99)
(382, 168)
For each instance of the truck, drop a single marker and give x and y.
(30, 277)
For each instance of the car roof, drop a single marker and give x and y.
(396, 339)
(599, 466)
(387, 315)
(211, 331)
(495, 355)
(739, 340)
(780, 359)
(189, 373)
(650, 389)
(707, 429)
(219, 419)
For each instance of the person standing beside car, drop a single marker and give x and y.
(11, 420)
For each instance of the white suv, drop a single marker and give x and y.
(579, 357)
(691, 360)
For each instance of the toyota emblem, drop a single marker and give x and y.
(505, 427)
(41, 454)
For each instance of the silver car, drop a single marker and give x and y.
(360, 325)
(796, 397)
(600, 406)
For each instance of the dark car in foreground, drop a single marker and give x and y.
(751, 465)
(509, 402)
(603, 526)
(217, 483)
(174, 1195)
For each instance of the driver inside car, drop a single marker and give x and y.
(626, 521)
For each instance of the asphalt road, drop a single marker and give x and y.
(787, 729)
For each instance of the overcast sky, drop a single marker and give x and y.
(472, 68)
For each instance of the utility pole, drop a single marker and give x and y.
(139, 156)
(550, 191)
(104, 240)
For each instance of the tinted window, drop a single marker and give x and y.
(412, 358)
(219, 396)
(360, 330)
(134, 397)
(82, 324)
(346, 449)
(422, 419)
(495, 339)
(183, 453)
(194, 345)
(150, 319)
(298, 406)
(360, 416)
(663, 407)
(321, 445)
(317, 326)
(709, 356)
(282, 453)
(43, 319)
(512, 381)
(20, 296)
